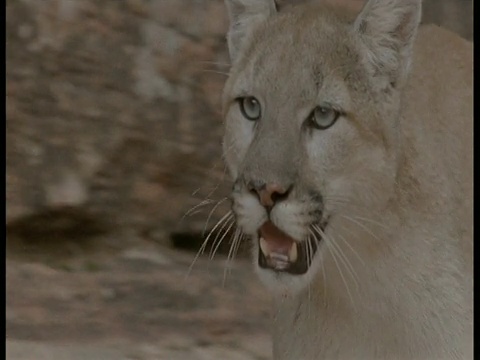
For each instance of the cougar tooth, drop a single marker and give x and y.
(264, 247)
(293, 253)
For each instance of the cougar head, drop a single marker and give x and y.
(311, 112)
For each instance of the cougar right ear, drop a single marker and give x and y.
(244, 15)
(387, 29)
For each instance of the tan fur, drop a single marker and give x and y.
(392, 278)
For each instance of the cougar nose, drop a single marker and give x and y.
(268, 193)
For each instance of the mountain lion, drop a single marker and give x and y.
(350, 142)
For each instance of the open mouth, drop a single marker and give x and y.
(282, 253)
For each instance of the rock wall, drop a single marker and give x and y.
(113, 111)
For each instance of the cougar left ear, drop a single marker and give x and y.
(387, 30)
(244, 15)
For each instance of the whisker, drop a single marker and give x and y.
(323, 265)
(212, 211)
(227, 221)
(237, 246)
(214, 63)
(345, 201)
(215, 72)
(369, 220)
(352, 249)
(234, 238)
(324, 275)
(343, 254)
(201, 204)
(361, 225)
(231, 254)
(205, 242)
(343, 259)
(232, 222)
(309, 251)
(218, 184)
(196, 191)
(346, 263)
(332, 252)
(196, 212)
(317, 239)
(208, 199)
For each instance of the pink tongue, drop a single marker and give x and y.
(276, 239)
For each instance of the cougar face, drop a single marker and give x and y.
(300, 120)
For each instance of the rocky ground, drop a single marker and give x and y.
(135, 302)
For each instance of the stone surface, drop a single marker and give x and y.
(113, 108)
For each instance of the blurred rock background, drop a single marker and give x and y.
(113, 111)
(113, 118)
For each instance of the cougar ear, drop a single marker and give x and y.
(244, 15)
(387, 30)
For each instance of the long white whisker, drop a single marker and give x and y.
(215, 72)
(205, 242)
(323, 270)
(195, 212)
(346, 263)
(231, 254)
(310, 254)
(191, 211)
(343, 201)
(212, 211)
(340, 272)
(362, 226)
(314, 235)
(225, 218)
(324, 282)
(341, 252)
(237, 245)
(228, 221)
(214, 63)
(196, 191)
(370, 221)
(352, 249)
(221, 239)
(217, 185)
(342, 258)
(332, 252)
(203, 203)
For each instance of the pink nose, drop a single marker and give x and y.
(268, 194)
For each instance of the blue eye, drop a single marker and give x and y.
(250, 108)
(322, 117)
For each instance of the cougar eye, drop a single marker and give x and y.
(322, 117)
(250, 108)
